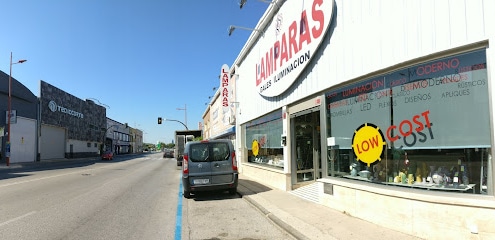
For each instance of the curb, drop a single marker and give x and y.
(286, 227)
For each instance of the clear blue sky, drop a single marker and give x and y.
(141, 58)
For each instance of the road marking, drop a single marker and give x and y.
(178, 218)
(42, 178)
(17, 218)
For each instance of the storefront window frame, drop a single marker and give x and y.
(389, 152)
(271, 155)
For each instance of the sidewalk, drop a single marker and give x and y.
(304, 219)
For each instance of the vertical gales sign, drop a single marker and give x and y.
(225, 88)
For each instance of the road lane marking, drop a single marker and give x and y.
(178, 218)
(43, 178)
(17, 218)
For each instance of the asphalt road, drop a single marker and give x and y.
(131, 197)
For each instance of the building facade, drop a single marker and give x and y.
(219, 116)
(136, 136)
(69, 126)
(117, 137)
(23, 122)
(385, 107)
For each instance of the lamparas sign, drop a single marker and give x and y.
(225, 88)
(289, 43)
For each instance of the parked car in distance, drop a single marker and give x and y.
(209, 165)
(168, 153)
(107, 155)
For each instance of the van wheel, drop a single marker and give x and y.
(187, 194)
(232, 191)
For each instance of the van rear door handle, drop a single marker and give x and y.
(217, 165)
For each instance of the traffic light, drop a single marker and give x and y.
(159, 120)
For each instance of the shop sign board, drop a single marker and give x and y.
(289, 43)
(13, 116)
(225, 88)
(54, 107)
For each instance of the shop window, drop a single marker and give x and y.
(263, 141)
(431, 121)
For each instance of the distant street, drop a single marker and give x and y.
(131, 197)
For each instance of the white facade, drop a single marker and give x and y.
(23, 140)
(365, 39)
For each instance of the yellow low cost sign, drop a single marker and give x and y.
(368, 143)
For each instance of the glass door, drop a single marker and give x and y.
(306, 147)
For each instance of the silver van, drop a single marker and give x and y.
(209, 165)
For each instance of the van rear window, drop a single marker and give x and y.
(220, 151)
(204, 152)
(199, 153)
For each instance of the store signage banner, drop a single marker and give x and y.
(225, 88)
(54, 107)
(289, 43)
(13, 116)
(437, 104)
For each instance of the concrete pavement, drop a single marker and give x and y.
(304, 219)
(301, 218)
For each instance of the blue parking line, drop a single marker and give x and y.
(178, 218)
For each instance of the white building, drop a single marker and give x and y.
(384, 105)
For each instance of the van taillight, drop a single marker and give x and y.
(185, 166)
(234, 161)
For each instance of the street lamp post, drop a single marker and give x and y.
(173, 120)
(185, 115)
(7, 153)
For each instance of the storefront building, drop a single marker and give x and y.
(219, 116)
(117, 137)
(70, 127)
(23, 122)
(385, 109)
(136, 138)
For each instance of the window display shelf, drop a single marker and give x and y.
(432, 186)
(427, 186)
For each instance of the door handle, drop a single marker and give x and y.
(217, 165)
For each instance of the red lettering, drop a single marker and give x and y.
(374, 141)
(269, 63)
(408, 124)
(283, 51)
(427, 119)
(292, 39)
(225, 80)
(365, 145)
(262, 70)
(438, 66)
(305, 36)
(389, 136)
(420, 124)
(319, 17)
(300, 33)
(405, 134)
(276, 54)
